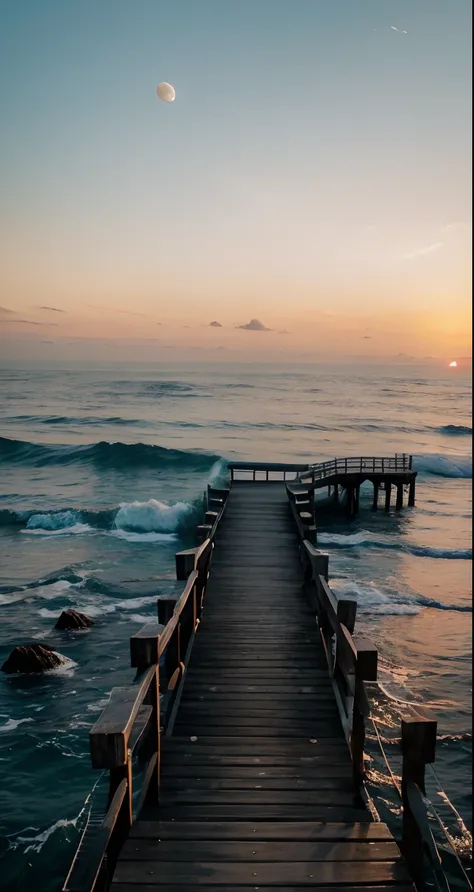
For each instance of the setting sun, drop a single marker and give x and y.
(453, 364)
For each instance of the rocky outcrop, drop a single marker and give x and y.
(32, 658)
(71, 619)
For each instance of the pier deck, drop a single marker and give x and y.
(257, 786)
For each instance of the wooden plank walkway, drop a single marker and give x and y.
(257, 788)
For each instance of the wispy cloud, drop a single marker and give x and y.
(5, 311)
(30, 322)
(254, 325)
(283, 331)
(215, 325)
(51, 309)
(420, 252)
(114, 310)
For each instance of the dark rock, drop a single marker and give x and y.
(32, 658)
(71, 619)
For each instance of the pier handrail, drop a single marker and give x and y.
(266, 471)
(357, 465)
(351, 661)
(136, 716)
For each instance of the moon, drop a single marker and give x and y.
(165, 92)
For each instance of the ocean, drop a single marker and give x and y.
(102, 478)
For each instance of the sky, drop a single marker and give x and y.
(313, 175)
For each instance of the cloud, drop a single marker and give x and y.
(114, 310)
(47, 342)
(430, 249)
(30, 322)
(215, 325)
(283, 331)
(51, 309)
(254, 325)
(367, 337)
(5, 310)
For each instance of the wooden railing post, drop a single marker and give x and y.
(185, 561)
(166, 607)
(418, 750)
(365, 670)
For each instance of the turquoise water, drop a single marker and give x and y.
(103, 472)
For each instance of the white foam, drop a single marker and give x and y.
(66, 669)
(152, 516)
(218, 473)
(133, 603)
(51, 590)
(39, 840)
(372, 600)
(143, 537)
(12, 724)
(49, 614)
(137, 618)
(14, 596)
(347, 539)
(75, 530)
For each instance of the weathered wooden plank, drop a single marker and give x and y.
(260, 745)
(276, 830)
(261, 873)
(174, 781)
(256, 851)
(282, 731)
(110, 735)
(267, 712)
(263, 812)
(193, 796)
(339, 759)
(321, 772)
(165, 887)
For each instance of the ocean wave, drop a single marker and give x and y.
(455, 430)
(119, 456)
(372, 600)
(366, 539)
(152, 516)
(439, 465)
(77, 420)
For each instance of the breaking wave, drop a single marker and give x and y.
(455, 430)
(365, 539)
(439, 465)
(373, 600)
(152, 519)
(119, 456)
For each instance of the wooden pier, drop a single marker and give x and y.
(251, 762)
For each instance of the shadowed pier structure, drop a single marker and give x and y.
(252, 759)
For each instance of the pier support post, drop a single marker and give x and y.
(376, 497)
(399, 503)
(356, 499)
(411, 494)
(388, 492)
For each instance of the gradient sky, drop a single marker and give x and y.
(313, 173)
